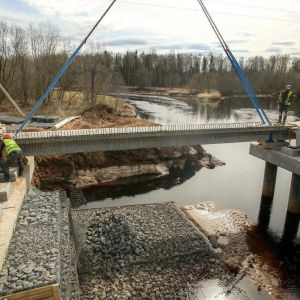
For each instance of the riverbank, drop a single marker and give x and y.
(184, 93)
(235, 242)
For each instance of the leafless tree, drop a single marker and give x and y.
(21, 49)
(44, 43)
(7, 58)
(91, 65)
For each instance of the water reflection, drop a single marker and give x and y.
(194, 112)
(265, 213)
(291, 226)
(138, 185)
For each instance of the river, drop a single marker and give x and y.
(238, 184)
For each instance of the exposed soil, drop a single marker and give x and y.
(101, 116)
(245, 250)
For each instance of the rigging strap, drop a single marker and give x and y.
(237, 68)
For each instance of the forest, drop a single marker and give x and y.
(30, 58)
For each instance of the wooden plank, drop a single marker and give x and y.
(29, 293)
(50, 292)
(56, 292)
(42, 296)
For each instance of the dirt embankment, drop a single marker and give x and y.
(101, 116)
(108, 168)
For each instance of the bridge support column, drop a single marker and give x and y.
(293, 213)
(267, 196)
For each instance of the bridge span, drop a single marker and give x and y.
(126, 138)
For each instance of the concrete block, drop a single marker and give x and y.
(291, 151)
(13, 175)
(5, 190)
(297, 132)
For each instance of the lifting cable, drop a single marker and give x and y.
(237, 68)
(62, 71)
(247, 86)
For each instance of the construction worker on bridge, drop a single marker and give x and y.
(284, 101)
(10, 154)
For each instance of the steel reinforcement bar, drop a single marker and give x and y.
(125, 138)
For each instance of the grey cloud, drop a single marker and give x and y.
(233, 41)
(284, 43)
(237, 41)
(241, 51)
(273, 49)
(183, 46)
(246, 34)
(197, 46)
(126, 41)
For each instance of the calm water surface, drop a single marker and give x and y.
(238, 184)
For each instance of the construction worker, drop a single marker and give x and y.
(284, 100)
(10, 153)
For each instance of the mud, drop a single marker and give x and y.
(244, 249)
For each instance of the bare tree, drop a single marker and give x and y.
(7, 58)
(20, 46)
(44, 42)
(91, 65)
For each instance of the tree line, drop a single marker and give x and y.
(30, 58)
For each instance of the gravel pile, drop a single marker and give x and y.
(172, 254)
(116, 236)
(38, 252)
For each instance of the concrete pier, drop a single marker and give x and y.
(269, 180)
(267, 196)
(294, 199)
(288, 159)
(293, 213)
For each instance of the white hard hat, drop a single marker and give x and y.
(288, 87)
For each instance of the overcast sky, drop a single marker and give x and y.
(251, 27)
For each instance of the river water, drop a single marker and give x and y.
(238, 184)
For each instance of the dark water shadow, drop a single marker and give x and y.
(137, 185)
